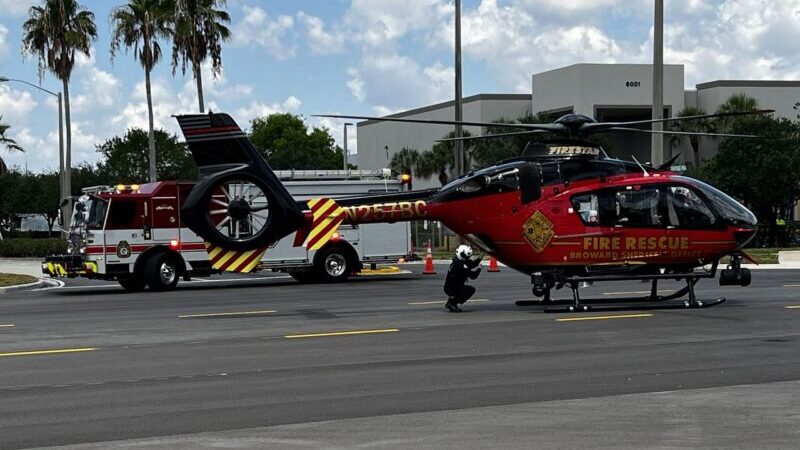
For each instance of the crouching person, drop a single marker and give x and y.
(463, 267)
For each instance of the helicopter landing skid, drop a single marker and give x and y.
(656, 301)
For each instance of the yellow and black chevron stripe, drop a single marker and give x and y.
(234, 261)
(328, 215)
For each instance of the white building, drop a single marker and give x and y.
(604, 91)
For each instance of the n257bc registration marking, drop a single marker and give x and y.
(386, 212)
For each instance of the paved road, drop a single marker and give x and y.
(257, 362)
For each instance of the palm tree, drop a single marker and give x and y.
(199, 32)
(736, 103)
(54, 32)
(8, 143)
(139, 24)
(691, 126)
(405, 161)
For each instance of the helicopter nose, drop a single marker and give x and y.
(744, 235)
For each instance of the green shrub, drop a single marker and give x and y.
(32, 248)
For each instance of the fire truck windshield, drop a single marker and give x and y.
(94, 212)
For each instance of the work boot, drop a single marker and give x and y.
(451, 306)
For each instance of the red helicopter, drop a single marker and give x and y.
(563, 213)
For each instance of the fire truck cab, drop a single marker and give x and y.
(133, 234)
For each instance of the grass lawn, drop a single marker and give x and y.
(766, 255)
(7, 279)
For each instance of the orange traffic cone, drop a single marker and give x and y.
(493, 265)
(429, 262)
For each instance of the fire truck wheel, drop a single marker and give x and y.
(161, 272)
(332, 264)
(302, 275)
(133, 284)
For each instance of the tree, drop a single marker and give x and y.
(199, 32)
(692, 126)
(47, 197)
(286, 143)
(53, 33)
(405, 161)
(487, 152)
(124, 158)
(736, 103)
(7, 143)
(139, 24)
(440, 159)
(762, 173)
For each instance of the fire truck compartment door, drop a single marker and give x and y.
(384, 239)
(165, 218)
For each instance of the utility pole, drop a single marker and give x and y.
(345, 145)
(657, 143)
(459, 145)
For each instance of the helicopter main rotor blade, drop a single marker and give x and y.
(492, 136)
(680, 133)
(595, 127)
(553, 127)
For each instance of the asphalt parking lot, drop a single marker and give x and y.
(261, 361)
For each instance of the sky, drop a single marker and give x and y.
(374, 57)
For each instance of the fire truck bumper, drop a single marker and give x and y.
(68, 266)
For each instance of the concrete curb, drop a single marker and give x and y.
(19, 287)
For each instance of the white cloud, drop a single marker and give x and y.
(245, 114)
(97, 89)
(321, 41)
(377, 23)
(275, 36)
(392, 81)
(15, 105)
(15, 7)
(336, 129)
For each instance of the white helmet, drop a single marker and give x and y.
(463, 252)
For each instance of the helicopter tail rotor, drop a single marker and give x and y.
(238, 204)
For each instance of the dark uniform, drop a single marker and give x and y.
(455, 284)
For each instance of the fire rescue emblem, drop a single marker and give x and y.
(123, 249)
(538, 231)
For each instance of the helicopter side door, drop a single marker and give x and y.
(630, 223)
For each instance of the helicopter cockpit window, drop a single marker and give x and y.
(596, 208)
(685, 209)
(639, 208)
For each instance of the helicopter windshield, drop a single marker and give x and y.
(725, 206)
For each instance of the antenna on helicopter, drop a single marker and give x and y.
(640, 166)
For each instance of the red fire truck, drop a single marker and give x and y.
(133, 234)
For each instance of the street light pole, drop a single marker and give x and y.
(348, 124)
(657, 142)
(63, 176)
(459, 145)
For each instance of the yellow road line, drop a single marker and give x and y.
(792, 307)
(49, 352)
(621, 316)
(441, 302)
(241, 313)
(341, 333)
(6, 325)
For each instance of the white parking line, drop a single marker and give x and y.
(213, 280)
